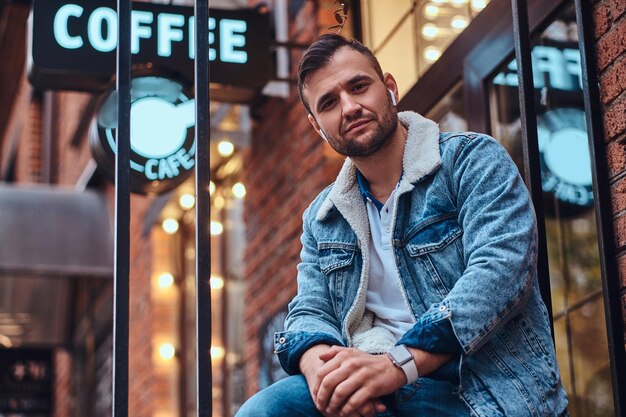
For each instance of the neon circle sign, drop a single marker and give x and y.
(162, 135)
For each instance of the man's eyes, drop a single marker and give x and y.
(359, 87)
(327, 104)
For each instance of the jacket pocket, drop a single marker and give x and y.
(336, 263)
(435, 248)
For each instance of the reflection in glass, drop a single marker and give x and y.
(573, 255)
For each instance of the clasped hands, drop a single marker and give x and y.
(347, 382)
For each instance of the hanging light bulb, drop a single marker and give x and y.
(225, 148)
(431, 53)
(430, 31)
(216, 228)
(217, 282)
(459, 23)
(478, 5)
(170, 226)
(431, 11)
(165, 280)
(167, 351)
(187, 201)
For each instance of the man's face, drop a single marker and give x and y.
(351, 105)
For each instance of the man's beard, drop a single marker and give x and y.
(380, 137)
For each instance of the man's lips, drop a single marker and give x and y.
(357, 124)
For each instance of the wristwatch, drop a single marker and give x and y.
(402, 357)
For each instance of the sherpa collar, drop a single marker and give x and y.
(421, 157)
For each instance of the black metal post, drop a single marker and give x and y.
(602, 200)
(204, 389)
(122, 215)
(530, 143)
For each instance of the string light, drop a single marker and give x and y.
(478, 5)
(218, 352)
(165, 280)
(211, 187)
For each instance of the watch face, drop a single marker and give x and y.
(400, 354)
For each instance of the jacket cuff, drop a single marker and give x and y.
(291, 345)
(433, 332)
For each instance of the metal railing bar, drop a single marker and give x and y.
(121, 278)
(204, 391)
(530, 146)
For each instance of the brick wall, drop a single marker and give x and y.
(286, 166)
(610, 31)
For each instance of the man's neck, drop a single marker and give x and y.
(384, 169)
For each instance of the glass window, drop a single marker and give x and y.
(408, 36)
(575, 277)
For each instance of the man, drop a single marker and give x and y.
(417, 289)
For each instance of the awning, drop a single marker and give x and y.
(54, 231)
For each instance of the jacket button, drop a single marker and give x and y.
(442, 308)
(282, 340)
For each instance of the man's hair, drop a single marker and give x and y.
(321, 52)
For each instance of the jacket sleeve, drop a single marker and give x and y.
(311, 319)
(499, 243)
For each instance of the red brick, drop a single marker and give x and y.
(612, 45)
(615, 118)
(621, 267)
(618, 8)
(619, 225)
(616, 157)
(612, 81)
(618, 196)
(602, 19)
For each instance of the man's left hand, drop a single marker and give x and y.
(351, 377)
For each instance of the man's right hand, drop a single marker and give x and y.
(310, 364)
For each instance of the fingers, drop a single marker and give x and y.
(331, 353)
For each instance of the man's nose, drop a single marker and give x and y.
(349, 106)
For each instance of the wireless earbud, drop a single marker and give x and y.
(393, 98)
(323, 135)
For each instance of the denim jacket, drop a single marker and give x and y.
(464, 243)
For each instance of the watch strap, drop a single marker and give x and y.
(402, 357)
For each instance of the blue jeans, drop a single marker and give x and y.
(290, 397)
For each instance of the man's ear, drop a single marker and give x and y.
(390, 83)
(316, 126)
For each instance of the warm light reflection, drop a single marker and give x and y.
(219, 202)
(239, 190)
(167, 351)
(458, 3)
(459, 22)
(225, 148)
(430, 31)
(187, 201)
(478, 5)
(431, 11)
(211, 187)
(431, 53)
(216, 228)
(170, 226)
(217, 282)
(165, 280)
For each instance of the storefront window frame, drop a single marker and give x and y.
(470, 59)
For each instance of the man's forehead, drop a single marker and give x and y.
(345, 65)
